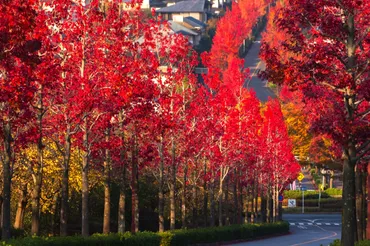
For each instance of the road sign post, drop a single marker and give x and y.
(302, 200)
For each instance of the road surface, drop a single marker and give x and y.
(306, 229)
(253, 62)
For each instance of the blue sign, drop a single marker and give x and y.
(281, 198)
(303, 188)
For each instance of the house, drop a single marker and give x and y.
(193, 37)
(193, 8)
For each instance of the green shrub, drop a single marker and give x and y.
(170, 238)
(361, 243)
(222, 234)
(16, 233)
(297, 194)
(333, 192)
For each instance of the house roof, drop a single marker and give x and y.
(178, 28)
(194, 22)
(185, 6)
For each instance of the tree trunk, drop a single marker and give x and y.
(360, 217)
(107, 173)
(349, 230)
(226, 204)
(220, 196)
(7, 176)
(205, 195)
(54, 209)
(173, 186)
(256, 199)
(252, 202)
(134, 188)
(240, 201)
(183, 199)
(195, 207)
(368, 200)
(235, 191)
(212, 204)
(85, 182)
(19, 217)
(65, 185)
(264, 209)
(160, 188)
(37, 175)
(122, 191)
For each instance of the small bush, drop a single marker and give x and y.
(333, 192)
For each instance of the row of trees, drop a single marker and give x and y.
(92, 95)
(321, 49)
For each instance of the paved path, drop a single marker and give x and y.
(253, 62)
(306, 229)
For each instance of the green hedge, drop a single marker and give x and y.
(170, 238)
(333, 192)
(361, 243)
(222, 234)
(297, 194)
(127, 239)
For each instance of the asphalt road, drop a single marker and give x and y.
(305, 229)
(253, 62)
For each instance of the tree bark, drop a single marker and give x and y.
(54, 209)
(205, 195)
(85, 181)
(195, 205)
(134, 187)
(65, 185)
(220, 198)
(160, 188)
(122, 193)
(173, 186)
(183, 199)
(359, 201)
(212, 204)
(349, 230)
(7, 174)
(37, 175)
(107, 174)
(22, 203)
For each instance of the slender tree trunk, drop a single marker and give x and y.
(205, 195)
(7, 174)
(226, 204)
(134, 188)
(107, 174)
(256, 199)
(22, 203)
(240, 201)
(65, 185)
(122, 193)
(364, 201)
(54, 208)
(220, 196)
(183, 199)
(195, 207)
(160, 188)
(368, 205)
(235, 191)
(173, 186)
(252, 202)
(349, 230)
(264, 209)
(85, 181)
(245, 207)
(360, 216)
(37, 175)
(212, 204)
(349, 225)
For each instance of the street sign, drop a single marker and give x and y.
(281, 198)
(303, 188)
(300, 177)
(292, 203)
